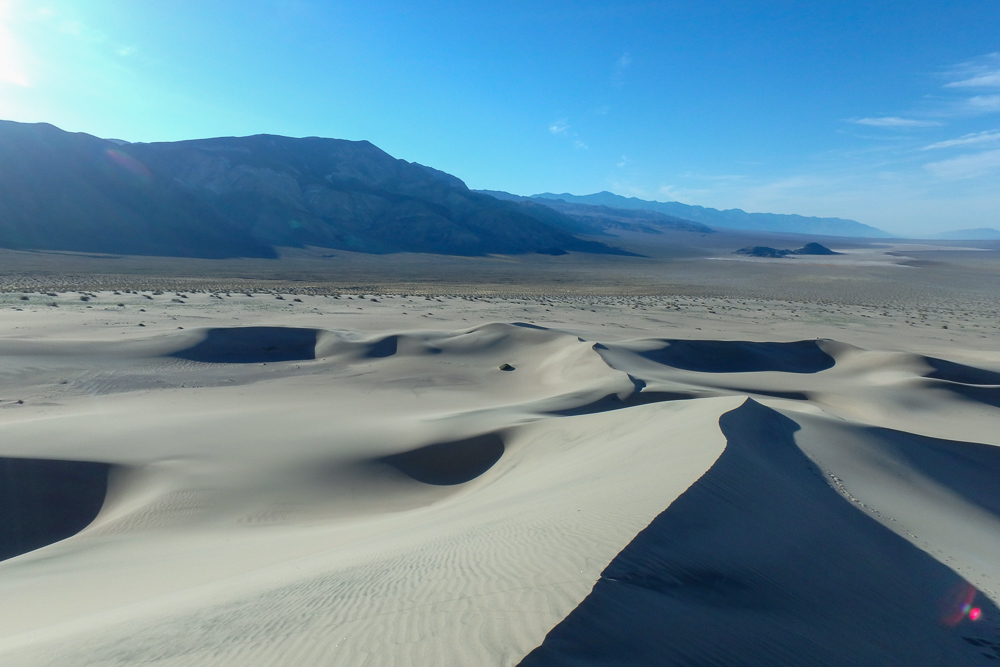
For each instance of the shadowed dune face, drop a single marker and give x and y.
(965, 382)
(383, 348)
(612, 402)
(763, 556)
(968, 469)
(975, 393)
(960, 373)
(253, 345)
(724, 356)
(449, 463)
(43, 501)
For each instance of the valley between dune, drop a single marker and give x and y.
(273, 478)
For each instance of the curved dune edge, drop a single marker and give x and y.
(43, 501)
(395, 494)
(762, 563)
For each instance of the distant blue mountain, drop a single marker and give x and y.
(731, 218)
(604, 220)
(979, 234)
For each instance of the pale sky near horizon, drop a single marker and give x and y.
(887, 113)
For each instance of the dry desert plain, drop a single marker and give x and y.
(681, 459)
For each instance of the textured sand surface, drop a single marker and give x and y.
(266, 479)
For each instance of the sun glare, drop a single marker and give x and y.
(11, 61)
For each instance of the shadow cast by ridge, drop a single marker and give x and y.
(449, 463)
(960, 373)
(740, 356)
(43, 501)
(761, 563)
(252, 345)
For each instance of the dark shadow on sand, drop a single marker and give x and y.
(253, 345)
(383, 348)
(612, 402)
(761, 563)
(736, 356)
(970, 470)
(43, 501)
(952, 372)
(971, 392)
(449, 463)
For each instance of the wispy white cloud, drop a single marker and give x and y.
(126, 51)
(681, 194)
(966, 166)
(983, 104)
(82, 32)
(983, 72)
(623, 162)
(561, 128)
(74, 28)
(894, 121)
(984, 137)
(621, 66)
(628, 190)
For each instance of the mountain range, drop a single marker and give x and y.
(599, 219)
(249, 196)
(730, 218)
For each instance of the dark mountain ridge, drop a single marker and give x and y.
(600, 219)
(247, 196)
(731, 218)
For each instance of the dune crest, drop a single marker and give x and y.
(306, 491)
(762, 554)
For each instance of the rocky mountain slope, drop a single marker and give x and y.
(598, 219)
(731, 218)
(249, 196)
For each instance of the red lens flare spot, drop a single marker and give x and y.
(957, 604)
(975, 613)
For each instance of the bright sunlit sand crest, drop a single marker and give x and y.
(325, 487)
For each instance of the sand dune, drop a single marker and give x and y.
(765, 558)
(262, 488)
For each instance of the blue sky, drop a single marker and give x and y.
(887, 112)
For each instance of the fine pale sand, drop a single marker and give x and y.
(281, 479)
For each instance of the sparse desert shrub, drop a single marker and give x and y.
(24, 297)
(84, 298)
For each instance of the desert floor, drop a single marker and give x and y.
(693, 460)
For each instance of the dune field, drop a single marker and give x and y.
(278, 478)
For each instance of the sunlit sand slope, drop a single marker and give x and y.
(306, 495)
